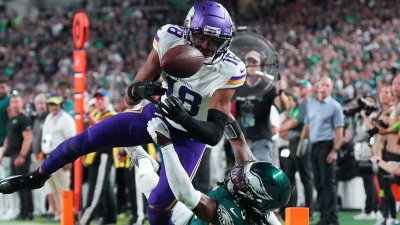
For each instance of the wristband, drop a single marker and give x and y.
(232, 130)
(396, 127)
(131, 95)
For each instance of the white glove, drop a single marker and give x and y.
(156, 124)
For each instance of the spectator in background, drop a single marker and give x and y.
(4, 101)
(385, 146)
(4, 169)
(41, 114)
(39, 197)
(396, 95)
(17, 145)
(58, 126)
(64, 91)
(299, 161)
(363, 151)
(253, 112)
(275, 121)
(323, 125)
(100, 163)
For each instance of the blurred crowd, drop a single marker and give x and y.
(355, 45)
(36, 53)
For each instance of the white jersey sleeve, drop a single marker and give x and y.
(238, 71)
(232, 73)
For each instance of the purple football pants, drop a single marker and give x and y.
(124, 130)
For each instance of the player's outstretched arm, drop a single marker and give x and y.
(150, 70)
(202, 206)
(234, 135)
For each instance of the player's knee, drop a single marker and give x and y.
(161, 201)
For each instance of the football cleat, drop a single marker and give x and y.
(137, 153)
(29, 181)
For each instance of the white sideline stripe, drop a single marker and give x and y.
(97, 190)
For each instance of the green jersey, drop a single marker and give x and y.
(228, 213)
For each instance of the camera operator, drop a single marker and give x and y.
(362, 104)
(362, 152)
(385, 138)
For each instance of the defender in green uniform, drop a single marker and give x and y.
(248, 194)
(227, 211)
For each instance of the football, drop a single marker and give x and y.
(182, 61)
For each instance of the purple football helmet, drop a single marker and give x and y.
(208, 27)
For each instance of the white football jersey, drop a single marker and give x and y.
(196, 90)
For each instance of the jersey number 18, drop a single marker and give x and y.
(187, 96)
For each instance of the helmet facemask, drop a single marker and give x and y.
(208, 27)
(237, 184)
(250, 189)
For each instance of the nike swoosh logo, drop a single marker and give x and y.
(231, 209)
(242, 70)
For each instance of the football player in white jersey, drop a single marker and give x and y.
(196, 108)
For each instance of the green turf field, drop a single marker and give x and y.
(345, 218)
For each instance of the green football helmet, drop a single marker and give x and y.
(261, 186)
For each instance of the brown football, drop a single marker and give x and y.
(182, 61)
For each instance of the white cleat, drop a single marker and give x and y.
(137, 153)
(365, 216)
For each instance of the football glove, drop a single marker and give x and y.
(157, 125)
(173, 109)
(33, 180)
(145, 90)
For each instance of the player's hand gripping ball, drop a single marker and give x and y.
(182, 61)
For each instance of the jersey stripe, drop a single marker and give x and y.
(155, 41)
(155, 44)
(237, 79)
